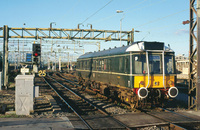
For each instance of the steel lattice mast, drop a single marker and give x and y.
(194, 56)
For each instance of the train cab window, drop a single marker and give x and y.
(155, 64)
(139, 64)
(169, 65)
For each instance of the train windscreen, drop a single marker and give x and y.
(155, 64)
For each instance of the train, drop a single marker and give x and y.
(140, 73)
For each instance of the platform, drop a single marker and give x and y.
(35, 123)
(133, 120)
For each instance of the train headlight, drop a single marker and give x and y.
(142, 82)
(142, 92)
(173, 92)
(170, 82)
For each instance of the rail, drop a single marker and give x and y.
(68, 105)
(96, 107)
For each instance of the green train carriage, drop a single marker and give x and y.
(142, 70)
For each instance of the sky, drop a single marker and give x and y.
(156, 20)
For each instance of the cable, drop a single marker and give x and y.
(97, 11)
(128, 10)
(161, 18)
(109, 17)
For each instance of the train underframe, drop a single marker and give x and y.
(126, 95)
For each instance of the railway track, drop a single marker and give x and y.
(161, 119)
(83, 107)
(70, 80)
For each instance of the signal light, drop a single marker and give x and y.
(36, 53)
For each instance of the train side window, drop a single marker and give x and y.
(120, 64)
(105, 65)
(115, 63)
(79, 64)
(90, 64)
(85, 65)
(109, 64)
(96, 66)
(126, 64)
(102, 64)
(99, 65)
(93, 64)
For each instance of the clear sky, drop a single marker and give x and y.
(157, 20)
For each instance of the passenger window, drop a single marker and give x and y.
(93, 65)
(126, 65)
(99, 65)
(105, 65)
(90, 64)
(120, 64)
(109, 64)
(102, 65)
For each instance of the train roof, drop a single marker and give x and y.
(134, 47)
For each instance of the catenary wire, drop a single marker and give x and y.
(128, 10)
(97, 11)
(161, 18)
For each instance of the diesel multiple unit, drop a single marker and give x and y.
(142, 71)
